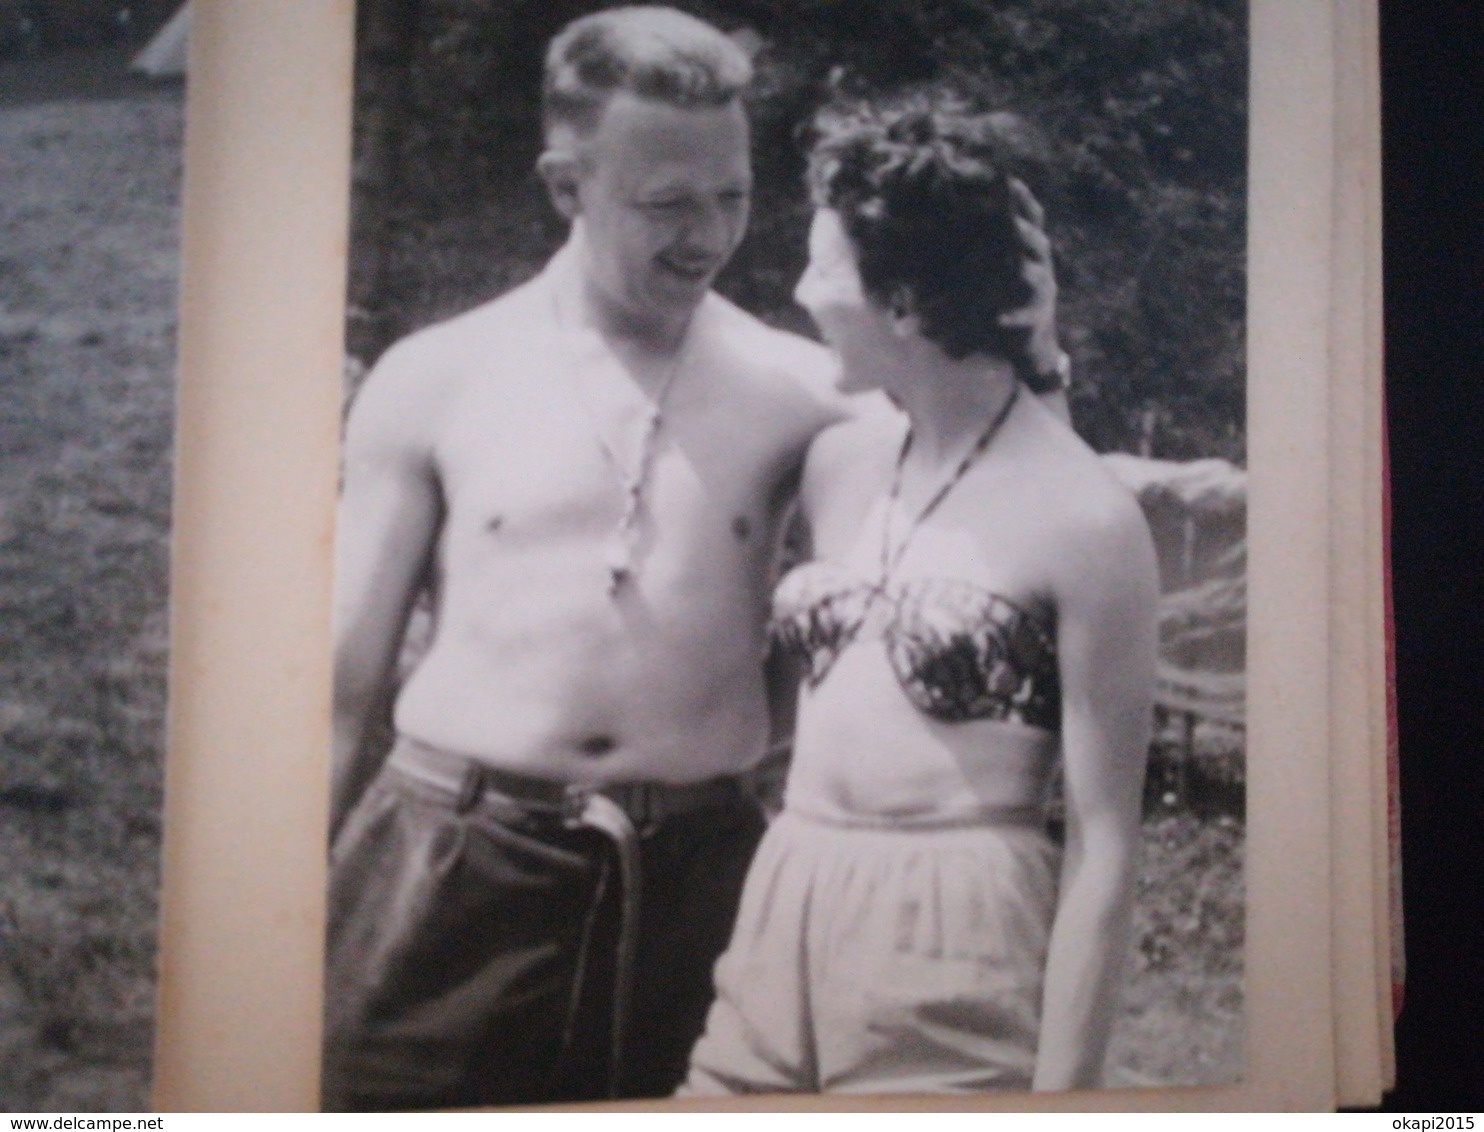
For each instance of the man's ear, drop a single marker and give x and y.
(561, 169)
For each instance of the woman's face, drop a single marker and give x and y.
(830, 289)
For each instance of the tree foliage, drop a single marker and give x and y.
(34, 27)
(1137, 147)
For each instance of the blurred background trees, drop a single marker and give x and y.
(1138, 150)
(36, 27)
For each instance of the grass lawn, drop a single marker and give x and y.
(87, 292)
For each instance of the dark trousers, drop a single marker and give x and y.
(471, 955)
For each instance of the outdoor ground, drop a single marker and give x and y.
(88, 213)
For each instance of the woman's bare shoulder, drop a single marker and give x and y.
(1093, 520)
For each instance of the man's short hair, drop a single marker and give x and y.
(650, 51)
(922, 186)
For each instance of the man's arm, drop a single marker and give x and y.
(389, 514)
(1106, 639)
(1050, 363)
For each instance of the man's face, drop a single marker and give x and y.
(664, 193)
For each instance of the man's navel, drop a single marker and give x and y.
(596, 746)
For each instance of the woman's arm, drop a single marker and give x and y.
(1106, 639)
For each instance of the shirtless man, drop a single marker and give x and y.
(589, 475)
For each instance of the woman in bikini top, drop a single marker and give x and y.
(959, 651)
(979, 613)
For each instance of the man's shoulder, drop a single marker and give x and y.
(507, 321)
(871, 423)
(769, 345)
(442, 356)
(770, 357)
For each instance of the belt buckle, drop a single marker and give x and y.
(574, 804)
(640, 802)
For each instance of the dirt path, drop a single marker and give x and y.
(88, 269)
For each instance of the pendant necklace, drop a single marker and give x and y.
(623, 548)
(892, 555)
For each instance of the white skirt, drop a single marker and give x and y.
(880, 959)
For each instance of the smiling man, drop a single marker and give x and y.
(588, 475)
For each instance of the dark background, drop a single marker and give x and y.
(1433, 121)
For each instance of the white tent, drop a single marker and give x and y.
(165, 55)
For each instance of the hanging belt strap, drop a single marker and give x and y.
(601, 813)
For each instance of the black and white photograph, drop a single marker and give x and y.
(790, 610)
(91, 115)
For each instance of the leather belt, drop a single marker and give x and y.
(646, 804)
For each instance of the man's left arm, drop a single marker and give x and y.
(1051, 366)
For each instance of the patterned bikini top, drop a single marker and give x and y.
(959, 651)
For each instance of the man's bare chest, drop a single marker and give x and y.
(548, 466)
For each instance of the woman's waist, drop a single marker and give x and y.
(836, 813)
(917, 788)
(881, 757)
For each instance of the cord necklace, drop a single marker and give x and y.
(891, 556)
(623, 549)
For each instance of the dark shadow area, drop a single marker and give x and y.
(1432, 107)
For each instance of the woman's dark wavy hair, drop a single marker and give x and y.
(920, 182)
